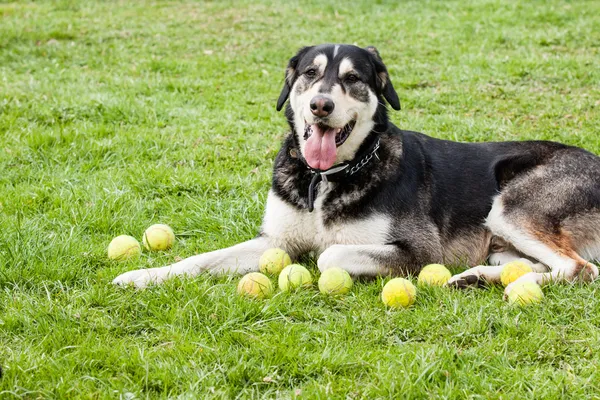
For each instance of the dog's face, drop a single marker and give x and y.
(335, 92)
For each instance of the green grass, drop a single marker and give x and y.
(117, 115)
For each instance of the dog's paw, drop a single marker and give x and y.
(139, 278)
(465, 280)
(590, 272)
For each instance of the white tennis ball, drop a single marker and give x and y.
(158, 237)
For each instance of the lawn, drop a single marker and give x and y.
(117, 115)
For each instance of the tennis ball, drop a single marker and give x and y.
(158, 237)
(124, 247)
(335, 281)
(294, 276)
(273, 261)
(525, 293)
(398, 293)
(513, 271)
(255, 285)
(434, 275)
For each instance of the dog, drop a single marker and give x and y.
(376, 200)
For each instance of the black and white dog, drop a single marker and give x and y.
(376, 200)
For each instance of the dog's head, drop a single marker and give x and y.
(336, 97)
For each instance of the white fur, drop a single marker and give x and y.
(241, 258)
(345, 67)
(335, 50)
(525, 242)
(305, 231)
(320, 62)
(503, 257)
(358, 260)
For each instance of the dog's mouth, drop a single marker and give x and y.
(341, 134)
(322, 142)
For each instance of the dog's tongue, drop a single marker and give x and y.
(320, 149)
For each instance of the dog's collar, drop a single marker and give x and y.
(339, 172)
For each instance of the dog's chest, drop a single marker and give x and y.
(307, 231)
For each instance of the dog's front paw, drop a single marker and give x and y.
(466, 279)
(140, 278)
(590, 272)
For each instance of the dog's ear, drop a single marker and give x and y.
(383, 79)
(290, 77)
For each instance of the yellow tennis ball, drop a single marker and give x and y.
(158, 237)
(513, 271)
(398, 293)
(525, 293)
(255, 285)
(434, 275)
(273, 261)
(335, 281)
(294, 276)
(124, 247)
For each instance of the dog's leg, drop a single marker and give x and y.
(367, 260)
(483, 274)
(553, 249)
(241, 258)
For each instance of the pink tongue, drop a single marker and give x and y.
(320, 150)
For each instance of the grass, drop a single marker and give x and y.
(117, 115)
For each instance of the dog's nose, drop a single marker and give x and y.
(321, 106)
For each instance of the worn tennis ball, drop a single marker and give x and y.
(124, 247)
(255, 285)
(158, 237)
(513, 271)
(335, 281)
(294, 276)
(273, 261)
(434, 275)
(525, 293)
(398, 293)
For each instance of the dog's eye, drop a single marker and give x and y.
(311, 73)
(351, 78)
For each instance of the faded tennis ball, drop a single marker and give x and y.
(273, 261)
(513, 271)
(124, 247)
(525, 293)
(398, 293)
(335, 281)
(434, 275)
(255, 285)
(294, 276)
(158, 237)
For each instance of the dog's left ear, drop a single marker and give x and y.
(383, 79)
(290, 77)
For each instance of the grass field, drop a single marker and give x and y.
(118, 115)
